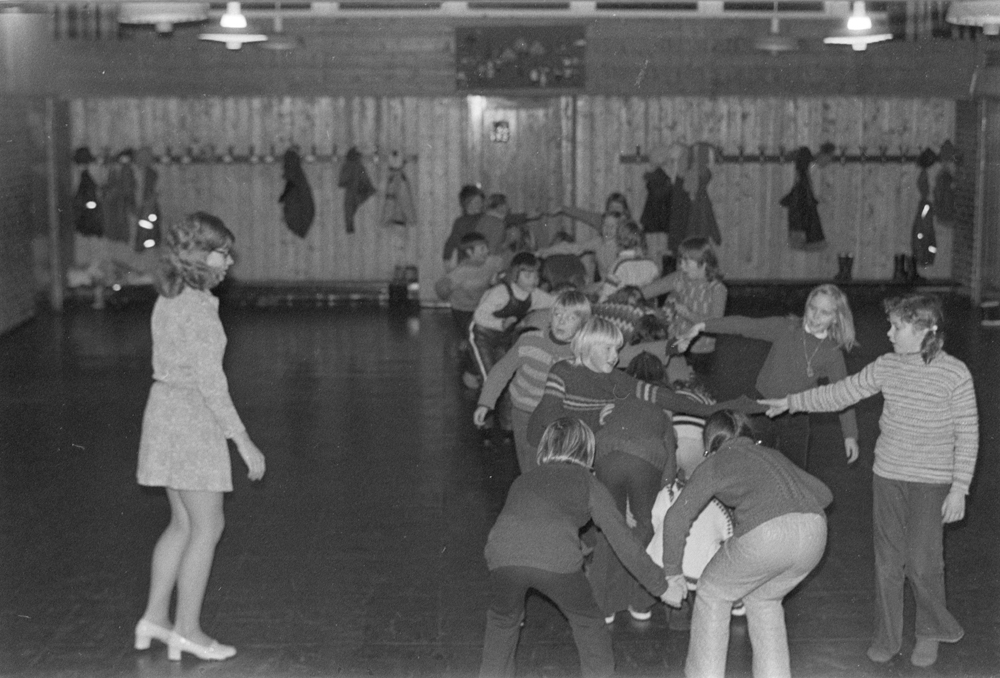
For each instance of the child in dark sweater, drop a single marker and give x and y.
(535, 544)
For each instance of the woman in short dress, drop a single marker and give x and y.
(189, 416)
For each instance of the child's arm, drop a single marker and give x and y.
(675, 402)
(716, 306)
(632, 554)
(494, 300)
(662, 286)
(592, 219)
(550, 407)
(830, 398)
(501, 374)
(835, 371)
(657, 348)
(962, 406)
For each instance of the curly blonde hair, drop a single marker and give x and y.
(183, 250)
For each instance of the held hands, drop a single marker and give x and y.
(953, 508)
(776, 406)
(851, 449)
(684, 340)
(252, 456)
(677, 590)
(479, 416)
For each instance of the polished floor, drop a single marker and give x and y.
(360, 554)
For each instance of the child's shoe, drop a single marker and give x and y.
(879, 656)
(640, 615)
(924, 653)
(739, 609)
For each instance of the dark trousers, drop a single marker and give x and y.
(571, 594)
(909, 544)
(462, 321)
(489, 346)
(636, 482)
(788, 434)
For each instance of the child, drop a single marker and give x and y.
(502, 307)
(528, 363)
(535, 544)
(188, 417)
(589, 386)
(497, 221)
(779, 536)
(471, 199)
(631, 267)
(698, 295)
(463, 287)
(603, 247)
(802, 351)
(924, 460)
(634, 457)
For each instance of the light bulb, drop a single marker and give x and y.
(233, 18)
(859, 21)
(149, 243)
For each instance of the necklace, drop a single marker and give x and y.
(809, 358)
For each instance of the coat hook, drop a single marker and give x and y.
(761, 153)
(862, 151)
(739, 153)
(843, 154)
(883, 152)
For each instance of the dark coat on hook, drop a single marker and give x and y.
(805, 231)
(297, 199)
(398, 209)
(702, 221)
(923, 240)
(119, 199)
(87, 220)
(356, 184)
(656, 212)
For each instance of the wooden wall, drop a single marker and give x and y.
(562, 150)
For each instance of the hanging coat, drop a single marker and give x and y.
(702, 222)
(945, 208)
(923, 240)
(119, 200)
(656, 212)
(298, 206)
(149, 210)
(88, 217)
(805, 232)
(398, 209)
(356, 184)
(680, 214)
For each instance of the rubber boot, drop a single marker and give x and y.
(899, 269)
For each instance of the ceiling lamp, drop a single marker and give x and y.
(162, 15)
(985, 13)
(233, 17)
(774, 42)
(233, 38)
(859, 20)
(858, 41)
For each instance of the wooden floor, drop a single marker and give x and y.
(361, 552)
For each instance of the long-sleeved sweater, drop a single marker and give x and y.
(528, 362)
(701, 300)
(464, 286)
(540, 523)
(793, 350)
(575, 390)
(929, 424)
(497, 297)
(758, 483)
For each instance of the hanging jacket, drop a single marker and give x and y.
(356, 184)
(702, 222)
(656, 212)
(298, 206)
(149, 210)
(398, 208)
(680, 214)
(88, 217)
(805, 232)
(119, 201)
(923, 240)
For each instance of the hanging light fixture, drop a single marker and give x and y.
(233, 32)
(162, 15)
(858, 41)
(859, 20)
(985, 13)
(774, 42)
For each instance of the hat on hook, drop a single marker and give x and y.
(83, 156)
(948, 152)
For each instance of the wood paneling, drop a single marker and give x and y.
(867, 208)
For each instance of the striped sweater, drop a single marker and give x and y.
(574, 390)
(929, 424)
(528, 362)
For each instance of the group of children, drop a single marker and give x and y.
(637, 431)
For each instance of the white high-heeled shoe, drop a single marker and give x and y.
(214, 652)
(146, 630)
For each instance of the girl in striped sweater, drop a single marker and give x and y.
(924, 460)
(528, 363)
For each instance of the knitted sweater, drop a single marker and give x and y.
(528, 362)
(758, 483)
(463, 287)
(929, 424)
(793, 350)
(703, 299)
(540, 523)
(575, 390)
